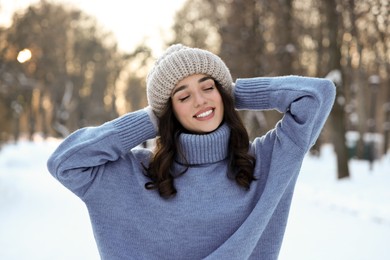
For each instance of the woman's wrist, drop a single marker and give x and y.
(252, 93)
(152, 116)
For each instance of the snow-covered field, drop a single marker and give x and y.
(330, 219)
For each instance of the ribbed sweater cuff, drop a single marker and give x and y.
(134, 128)
(152, 116)
(252, 93)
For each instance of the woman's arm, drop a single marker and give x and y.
(305, 102)
(84, 153)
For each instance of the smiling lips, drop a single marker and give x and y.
(205, 115)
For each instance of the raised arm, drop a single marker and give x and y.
(305, 102)
(84, 153)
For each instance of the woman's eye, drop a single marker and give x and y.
(183, 98)
(209, 88)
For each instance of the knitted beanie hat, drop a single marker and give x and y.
(175, 64)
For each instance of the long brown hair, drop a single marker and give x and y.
(160, 168)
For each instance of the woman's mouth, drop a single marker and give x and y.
(205, 114)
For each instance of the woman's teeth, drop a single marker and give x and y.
(204, 114)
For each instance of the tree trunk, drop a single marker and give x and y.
(338, 123)
(386, 131)
(338, 115)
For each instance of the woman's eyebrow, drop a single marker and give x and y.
(183, 87)
(204, 79)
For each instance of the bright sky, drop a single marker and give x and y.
(131, 21)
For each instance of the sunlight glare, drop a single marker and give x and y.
(24, 55)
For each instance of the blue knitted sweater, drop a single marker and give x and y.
(211, 217)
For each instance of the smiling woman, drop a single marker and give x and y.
(197, 104)
(204, 191)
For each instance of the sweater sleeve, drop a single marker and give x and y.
(83, 154)
(305, 103)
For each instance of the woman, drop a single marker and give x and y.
(205, 192)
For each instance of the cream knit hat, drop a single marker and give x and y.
(179, 62)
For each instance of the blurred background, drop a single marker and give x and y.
(61, 68)
(69, 64)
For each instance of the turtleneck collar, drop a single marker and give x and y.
(206, 148)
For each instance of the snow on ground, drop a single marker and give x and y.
(347, 219)
(329, 219)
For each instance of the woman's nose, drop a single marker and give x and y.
(199, 99)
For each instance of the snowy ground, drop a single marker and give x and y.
(349, 219)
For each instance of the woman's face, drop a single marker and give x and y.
(197, 104)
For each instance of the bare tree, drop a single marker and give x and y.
(74, 66)
(334, 26)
